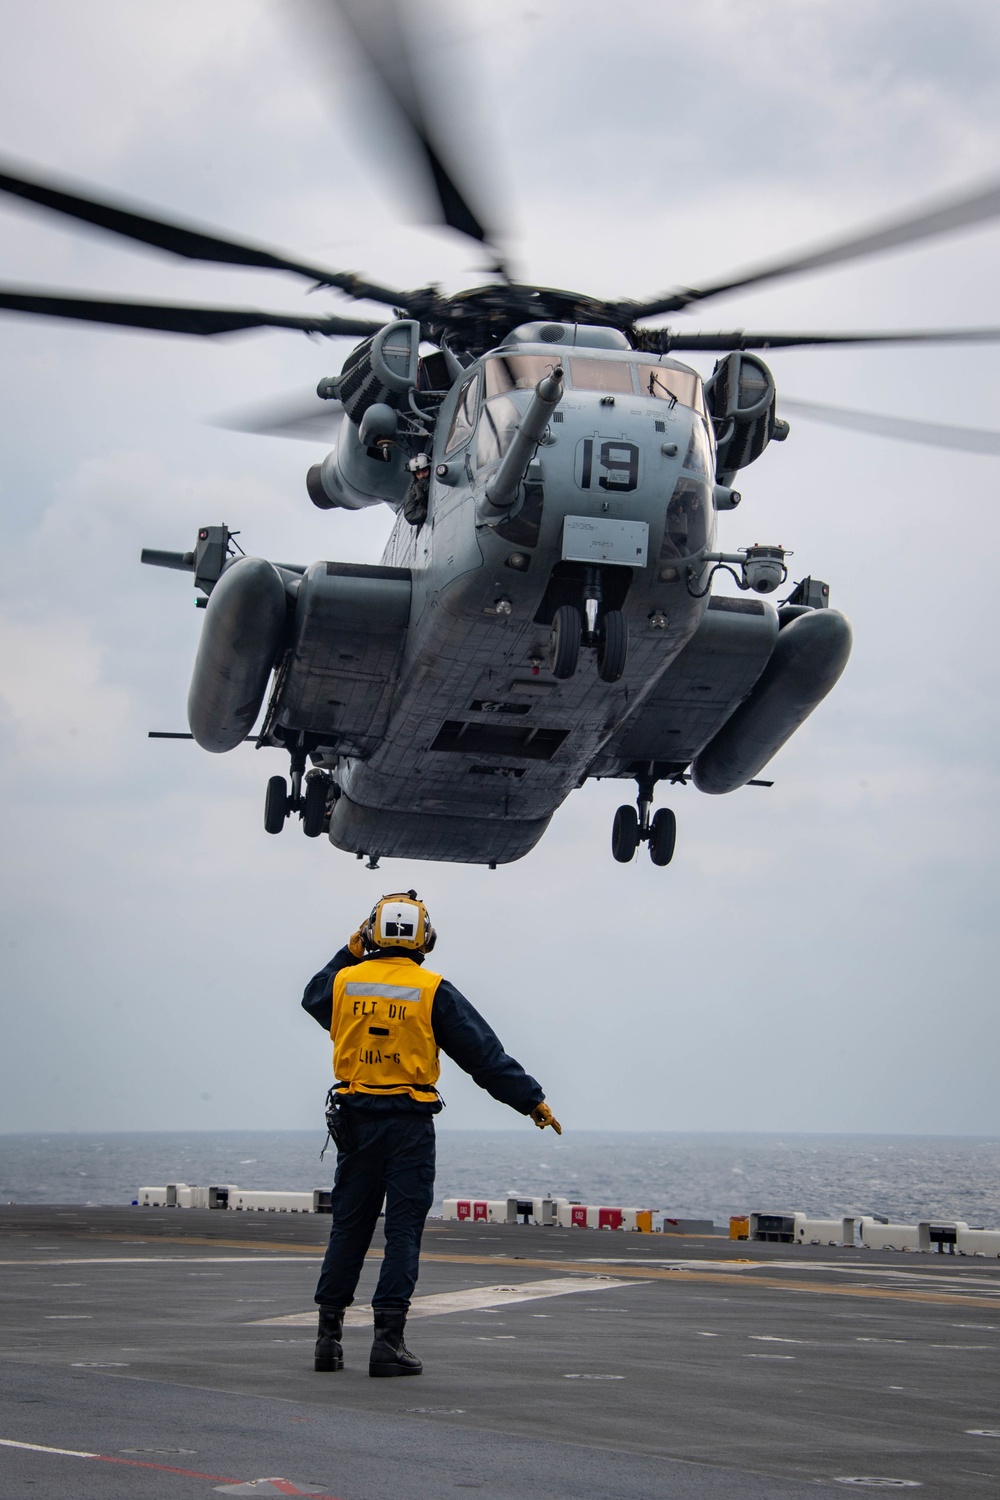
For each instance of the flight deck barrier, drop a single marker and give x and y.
(928, 1235)
(879, 1236)
(823, 1231)
(977, 1241)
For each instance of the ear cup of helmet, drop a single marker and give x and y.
(367, 930)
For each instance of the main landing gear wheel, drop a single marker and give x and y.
(662, 836)
(276, 804)
(612, 646)
(634, 826)
(567, 630)
(314, 806)
(625, 835)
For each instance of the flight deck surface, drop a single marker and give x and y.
(150, 1352)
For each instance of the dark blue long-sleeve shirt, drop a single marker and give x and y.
(459, 1030)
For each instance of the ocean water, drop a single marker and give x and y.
(687, 1175)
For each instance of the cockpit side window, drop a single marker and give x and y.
(464, 421)
(497, 426)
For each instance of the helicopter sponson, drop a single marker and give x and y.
(543, 610)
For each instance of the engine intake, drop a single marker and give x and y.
(382, 370)
(740, 396)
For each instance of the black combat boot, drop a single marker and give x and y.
(329, 1350)
(390, 1355)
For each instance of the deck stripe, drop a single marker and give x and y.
(728, 1278)
(636, 1269)
(470, 1299)
(107, 1458)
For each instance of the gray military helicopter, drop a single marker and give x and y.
(543, 612)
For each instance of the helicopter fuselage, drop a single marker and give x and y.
(542, 612)
(481, 732)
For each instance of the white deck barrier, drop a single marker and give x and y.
(276, 1203)
(152, 1197)
(876, 1236)
(953, 1236)
(977, 1241)
(823, 1231)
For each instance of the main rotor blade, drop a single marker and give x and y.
(310, 420)
(905, 429)
(945, 218)
(662, 340)
(166, 318)
(182, 239)
(380, 33)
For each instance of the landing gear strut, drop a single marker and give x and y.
(632, 828)
(603, 630)
(309, 796)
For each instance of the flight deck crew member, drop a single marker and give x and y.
(388, 1018)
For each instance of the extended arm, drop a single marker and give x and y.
(461, 1032)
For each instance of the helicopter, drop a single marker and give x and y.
(544, 609)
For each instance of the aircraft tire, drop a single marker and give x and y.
(564, 652)
(314, 811)
(612, 647)
(662, 836)
(276, 804)
(625, 834)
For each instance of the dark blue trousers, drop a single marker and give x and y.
(392, 1157)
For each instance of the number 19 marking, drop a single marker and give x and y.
(618, 459)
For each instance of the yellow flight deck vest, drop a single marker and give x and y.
(383, 1042)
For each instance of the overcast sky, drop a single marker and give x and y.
(820, 956)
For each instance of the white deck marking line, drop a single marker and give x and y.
(176, 1260)
(41, 1448)
(671, 1262)
(131, 1463)
(471, 1299)
(942, 1276)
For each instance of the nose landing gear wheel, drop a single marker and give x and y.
(564, 652)
(625, 835)
(662, 836)
(276, 804)
(612, 646)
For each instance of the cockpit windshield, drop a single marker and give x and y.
(671, 384)
(613, 375)
(662, 379)
(517, 372)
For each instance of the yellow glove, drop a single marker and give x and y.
(355, 946)
(543, 1116)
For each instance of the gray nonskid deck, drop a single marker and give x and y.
(689, 1367)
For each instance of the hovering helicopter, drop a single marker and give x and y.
(543, 612)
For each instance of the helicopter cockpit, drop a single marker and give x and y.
(662, 378)
(507, 371)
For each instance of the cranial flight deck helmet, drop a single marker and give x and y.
(399, 921)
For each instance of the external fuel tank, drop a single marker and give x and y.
(808, 657)
(244, 624)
